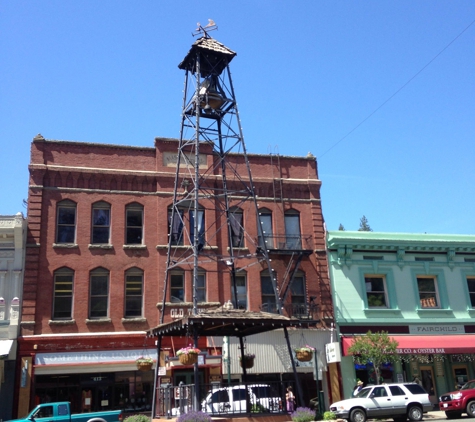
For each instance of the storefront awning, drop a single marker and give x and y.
(427, 345)
(5, 346)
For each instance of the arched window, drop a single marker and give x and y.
(268, 299)
(182, 225)
(99, 293)
(177, 286)
(201, 286)
(133, 293)
(101, 212)
(267, 238)
(63, 293)
(237, 229)
(241, 289)
(66, 221)
(134, 224)
(292, 229)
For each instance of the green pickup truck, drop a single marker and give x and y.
(61, 412)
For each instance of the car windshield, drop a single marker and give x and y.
(469, 385)
(363, 393)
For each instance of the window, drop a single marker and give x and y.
(134, 224)
(292, 230)
(376, 291)
(99, 293)
(177, 287)
(241, 287)
(427, 292)
(267, 292)
(471, 290)
(396, 390)
(176, 227)
(201, 287)
(237, 230)
(201, 229)
(100, 223)
(66, 222)
(63, 294)
(379, 392)
(133, 293)
(298, 289)
(265, 218)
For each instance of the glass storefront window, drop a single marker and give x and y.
(129, 390)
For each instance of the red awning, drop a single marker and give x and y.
(427, 345)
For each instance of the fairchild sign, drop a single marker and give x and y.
(437, 329)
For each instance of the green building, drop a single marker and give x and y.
(420, 288)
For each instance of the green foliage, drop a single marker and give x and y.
(364, 225)
(137, 418)
(329, 416)
(194, 416)
(341, 227)
(303, 414)
(258, 408)
(377, 348)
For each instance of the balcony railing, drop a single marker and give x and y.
(286, 243)
(298, 310)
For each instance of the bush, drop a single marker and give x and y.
(258, 408)
(194, 416)
(303, 414)
(137, 418)
(329, 416)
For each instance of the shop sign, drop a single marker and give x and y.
(332, 351)
(92, 357)
(426, 351)
(177, 313)
(431, 329)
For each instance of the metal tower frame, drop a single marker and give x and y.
(214, 181)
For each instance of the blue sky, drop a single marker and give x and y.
(308, 75)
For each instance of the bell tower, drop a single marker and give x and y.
(213, 181)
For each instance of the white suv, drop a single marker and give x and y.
(232, 399)
(397, 401)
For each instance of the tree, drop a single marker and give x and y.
(377, 348)
(364, 226)
(341, 227)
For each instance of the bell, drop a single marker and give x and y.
(210, 98)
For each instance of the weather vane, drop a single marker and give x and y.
(211, 26)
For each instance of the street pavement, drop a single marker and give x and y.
(436, 415)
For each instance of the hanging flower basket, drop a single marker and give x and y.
(247, 361)
(188, 355)
(304, 354)
(144, 364)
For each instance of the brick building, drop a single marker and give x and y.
(95, 259)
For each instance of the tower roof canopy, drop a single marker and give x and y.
(232, 323)
(214, 57)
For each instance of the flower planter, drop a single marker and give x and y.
(247, 363)
(188, 358)
(304, 355)
(144, 366)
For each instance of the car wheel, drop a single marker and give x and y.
(453, 415)
(414, 413)
(471, 408)
(357, 415)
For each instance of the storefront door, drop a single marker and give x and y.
(427, 379)
(460, 375)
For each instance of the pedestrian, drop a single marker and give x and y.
(358, 387)
(290, 400)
